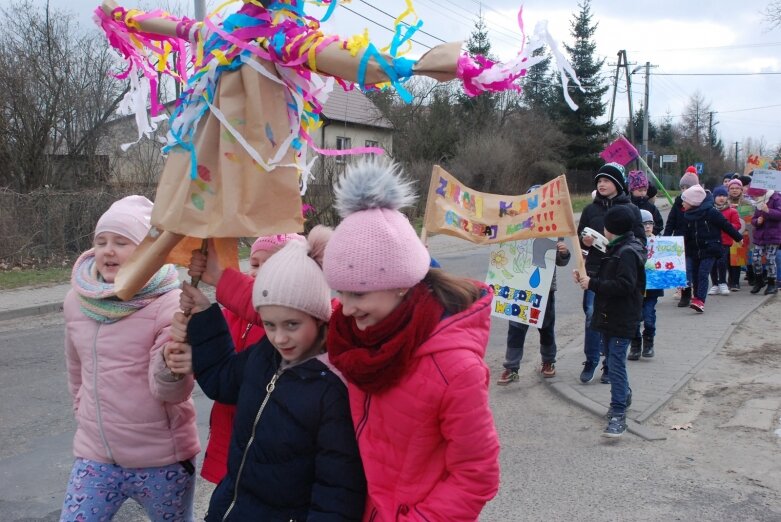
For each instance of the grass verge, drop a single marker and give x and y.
(10, 279)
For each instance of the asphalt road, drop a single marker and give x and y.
(555, 465)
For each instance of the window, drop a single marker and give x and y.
(372, 143)
(342, 143)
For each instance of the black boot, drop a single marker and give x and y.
(759, 283)
(686, 298)
(750, 275)
(648, 346)
(634, 349)
(771, 286)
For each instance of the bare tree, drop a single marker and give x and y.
(694, 124)
(773, 13)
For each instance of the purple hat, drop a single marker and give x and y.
(637, 180)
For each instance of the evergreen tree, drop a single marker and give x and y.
(479, 110)
(586, 138)
(537, 91)
(666, 132)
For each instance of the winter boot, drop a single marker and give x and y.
(750, 275)
(634, 349)
(648, 346)
(771, 286)
(759, 283)
(686, 298)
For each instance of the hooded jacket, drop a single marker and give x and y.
(619, 287)
(294, 459)
(428, 444)
(769, 232)
(128, 408)
(702, 227)
(593, 216)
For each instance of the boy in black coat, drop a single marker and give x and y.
(618, 286)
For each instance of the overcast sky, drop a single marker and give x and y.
(680, 37)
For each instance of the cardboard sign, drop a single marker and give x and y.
(520, 275)
(666, 265)
(454, 209)
(620, 151)
(766, 179)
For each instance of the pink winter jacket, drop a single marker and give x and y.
(429, 447)
(128, 409)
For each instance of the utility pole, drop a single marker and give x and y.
(646, 115)
(622, 62)
(200, 9)
(736, 157)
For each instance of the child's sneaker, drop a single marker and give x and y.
(697, 305)
(587, 375)
(723, 289)
(548, 370)
(616, 426)
(713, 290)
(734, 288)
(507, 377)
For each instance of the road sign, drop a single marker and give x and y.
(699, 167)
(669, 158)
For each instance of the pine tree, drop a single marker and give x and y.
(586, 138)
(537, 91)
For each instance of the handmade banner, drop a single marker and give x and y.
(766, 179)
(666, 264)
(457, 210)
(620, 151)
(755, 161)
(520, 275)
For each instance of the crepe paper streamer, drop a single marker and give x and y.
(480, 74)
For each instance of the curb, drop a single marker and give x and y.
(18, 313)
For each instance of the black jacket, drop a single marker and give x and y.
(702, 228)
(644, 204)
(593, 216)
(301, 459)
(619, 287)
(675, 224)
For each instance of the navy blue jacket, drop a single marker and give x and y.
(593, 216)
(701, 227)
(675, 224)
(619, 287)
(299, 460)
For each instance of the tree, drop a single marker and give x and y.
(666, 133)
(586, 137)
(773, 14)
(479, 111)
(637, 122)
(694, 124)
(538, 84)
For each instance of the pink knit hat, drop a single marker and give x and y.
(274, 242)
(694, 196)
(735, 182)
(294, 278)
(374, 247)
(128, 217)
(637, 180)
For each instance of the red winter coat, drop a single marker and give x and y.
(234, 292)
(428, 445)
(734, 219)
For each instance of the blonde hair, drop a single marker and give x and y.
(455, 293)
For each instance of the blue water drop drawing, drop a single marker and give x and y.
(534, 280)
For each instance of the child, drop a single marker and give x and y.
(234, 292)
(516, 332)
(411, 342)
(676, 225)
(136, 435)
(745, 211)
(618, 286)
(638, 189)
(719, 271)
(293, 454)
(612, 191)
(702, 240)
(646, 341)
(767, 237)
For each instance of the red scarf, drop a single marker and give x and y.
(377, 358)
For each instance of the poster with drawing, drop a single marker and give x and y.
(666, 264)
(520, 275)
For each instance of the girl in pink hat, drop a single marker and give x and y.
(411, 342)
(136, 436)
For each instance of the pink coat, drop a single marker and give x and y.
(128, 409)
(429, 447)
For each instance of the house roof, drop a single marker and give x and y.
(353, 107)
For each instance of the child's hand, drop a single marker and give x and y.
(178, 357)
(580, 280)
(760, 220)
(561, 247)
(108, 6)
(587, 240)
(192, 300)
(205, 266)
(762, 207)
(178, 330)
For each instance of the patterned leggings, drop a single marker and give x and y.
(769, 251)
(96, 491)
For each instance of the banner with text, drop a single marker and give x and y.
(520, 275)
(666, 265)
(454, 209)
(766, 179)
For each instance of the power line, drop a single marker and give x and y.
(716, 74)
(379, 24)
(405, 23)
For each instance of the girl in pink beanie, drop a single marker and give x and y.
(411, 342)
(133, 419)
(234, 292)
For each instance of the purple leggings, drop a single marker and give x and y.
(96, 491)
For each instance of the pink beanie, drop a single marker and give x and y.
(274, 242)
(694, 196)
(375, 246)
(735, 182)
(293, 277)
(128, 217)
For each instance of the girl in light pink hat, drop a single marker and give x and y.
(410, 341)
(234, 292)
(136, 436)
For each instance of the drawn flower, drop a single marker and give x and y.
(499, 259)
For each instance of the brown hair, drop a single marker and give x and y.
(455, 293)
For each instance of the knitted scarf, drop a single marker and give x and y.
(97, 299)
(375, 359)
(721, 207)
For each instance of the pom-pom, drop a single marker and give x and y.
(318, 238)
(373, 183)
